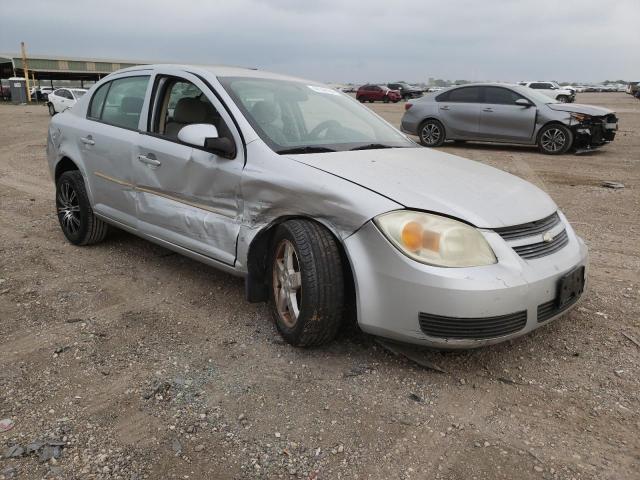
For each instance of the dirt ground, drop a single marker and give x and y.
(146, 364)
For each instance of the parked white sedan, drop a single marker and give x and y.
(63, 98)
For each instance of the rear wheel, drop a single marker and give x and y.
(78, 223)
(555, 139)
(52, 110)
(306, 283)
(431, 133)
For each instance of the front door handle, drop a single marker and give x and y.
(487, 109)
(87, 140)
(444, 108)
(149, 161)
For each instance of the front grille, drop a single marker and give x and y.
(472, 328)
(551, 309)
(540, 249)
(528, 229)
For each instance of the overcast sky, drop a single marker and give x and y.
(345, 40)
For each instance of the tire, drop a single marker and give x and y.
(555, 139)
(563, 99)
(371, 100)
(431, 133)
(361, 99)
(307, 310)
(74, 212)
(52, 109)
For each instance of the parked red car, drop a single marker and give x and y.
(372, 93)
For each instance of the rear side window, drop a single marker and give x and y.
(123, 102)
(464, 95)
(497, 95)
(97, 101)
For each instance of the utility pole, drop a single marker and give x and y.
(25, 69)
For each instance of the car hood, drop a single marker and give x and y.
(430, 180)
(579, 108)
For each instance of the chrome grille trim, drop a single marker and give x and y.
(528, 229)
(542, 249)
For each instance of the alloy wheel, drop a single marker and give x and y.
(287, 283)
(68, 206)
(553, 139)
(430, 133)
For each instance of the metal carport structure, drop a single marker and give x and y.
(52, 68)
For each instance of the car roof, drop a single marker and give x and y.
(218, 71)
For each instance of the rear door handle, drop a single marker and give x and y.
(149, 161)
(487, 109)
(87, 140)
(444, 108)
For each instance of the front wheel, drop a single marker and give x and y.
(78, 223)
(555, 139)
(431, 133)
(306, 283)
(563, 99)
(52, 109)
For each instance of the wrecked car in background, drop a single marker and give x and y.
(323, 207)
(506, 113)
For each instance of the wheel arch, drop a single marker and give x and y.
(256, 289)
(65, 164)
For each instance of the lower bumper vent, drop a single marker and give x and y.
(472, 328)
(551, 309)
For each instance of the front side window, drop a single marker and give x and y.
(291, 114)
(65, 94)
(498, 95)
(123, 102)
(181, 103)
(537, 86)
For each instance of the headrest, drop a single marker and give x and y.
(190, 110)
(131, 105)
(265, 112)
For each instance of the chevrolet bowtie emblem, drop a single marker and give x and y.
(547, 237)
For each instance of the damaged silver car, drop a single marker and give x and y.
(326, 210)
(505, 113)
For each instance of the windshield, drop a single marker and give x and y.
(295, 117)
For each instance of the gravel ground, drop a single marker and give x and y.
(126, 361)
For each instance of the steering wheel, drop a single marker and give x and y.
(322, 126)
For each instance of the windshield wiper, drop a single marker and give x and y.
(305, 149)
(371, 146)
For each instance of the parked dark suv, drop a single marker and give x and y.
(372, 93)
(406, 90)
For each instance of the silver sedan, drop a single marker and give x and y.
(508, 114)
(323, 207)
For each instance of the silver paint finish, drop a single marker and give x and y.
(212, 209)
(493, 122)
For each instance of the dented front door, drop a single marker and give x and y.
(188, 197)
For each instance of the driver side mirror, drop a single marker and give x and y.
(205, 135)
(523, 102)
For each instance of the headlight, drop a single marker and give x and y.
(436, 240)
(580, 117)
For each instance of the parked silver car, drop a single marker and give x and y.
(322, 206)
(508, 114)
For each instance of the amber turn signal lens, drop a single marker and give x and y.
(412, 236)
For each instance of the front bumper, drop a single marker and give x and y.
(593, 135)
(394, 293)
